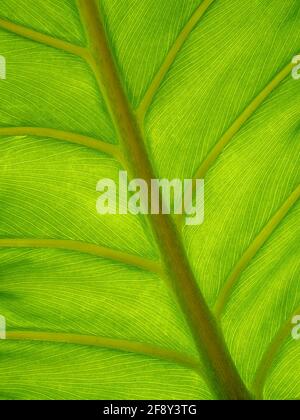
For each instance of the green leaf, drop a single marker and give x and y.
(134, 307)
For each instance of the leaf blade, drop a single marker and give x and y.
(165, 127)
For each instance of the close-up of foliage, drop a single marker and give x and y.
(146, 307)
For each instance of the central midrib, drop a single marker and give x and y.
(221, 371)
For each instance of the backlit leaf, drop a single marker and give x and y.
(108, 307)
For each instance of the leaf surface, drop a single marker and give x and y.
(89, 303)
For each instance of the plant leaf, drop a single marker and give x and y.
(89, 308)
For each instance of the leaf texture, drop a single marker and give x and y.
(88, 299)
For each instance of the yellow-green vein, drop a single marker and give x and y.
(82, 140)
(86, 248)
(270, 355)
(254, 248)
(235, 128)
(169, 60)
(108, 343)
(44, 39)
(241, 120)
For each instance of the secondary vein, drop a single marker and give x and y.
(169, 60)
(44, 39)
(108, 343)
(89, 142)
(85, 248)
(241, 120)
(253, 250)
(270, 355)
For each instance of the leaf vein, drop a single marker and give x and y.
(221, 372)
(270, 355)
(44, 39)
(108, 343)
(241, 120)
(253, 249)
(171, 57)
(86, 141)
(85, 248)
